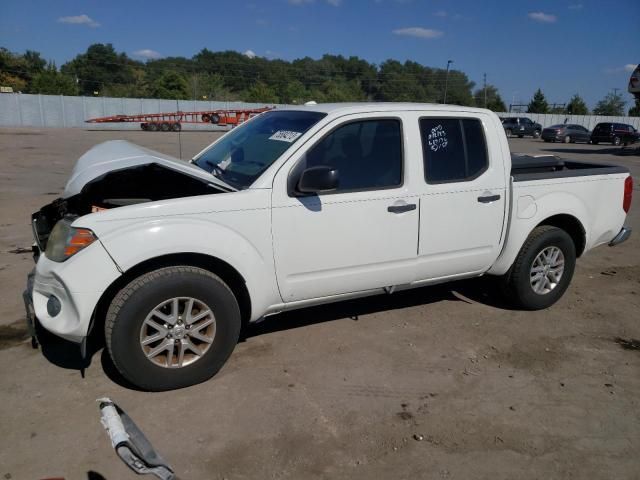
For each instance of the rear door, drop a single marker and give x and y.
(462, 198)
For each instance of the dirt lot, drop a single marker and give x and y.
(440, 382)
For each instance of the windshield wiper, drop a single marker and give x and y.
(218, 172)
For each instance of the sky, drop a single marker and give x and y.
(561, 46)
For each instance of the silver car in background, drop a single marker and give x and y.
(567, 133)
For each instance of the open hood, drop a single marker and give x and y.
(118, 155)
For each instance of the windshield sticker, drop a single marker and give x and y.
(437, 139)
(285, 136)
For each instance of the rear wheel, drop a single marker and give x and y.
(616, 141)
(172, 327)
(542, 270)
(165, 127)
(152, 127)
(536, 134)
(176, 127)
(215, 118)
(567, 139)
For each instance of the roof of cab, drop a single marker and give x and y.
(364, 107)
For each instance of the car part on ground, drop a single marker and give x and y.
(130, 444)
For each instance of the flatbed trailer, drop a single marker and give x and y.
(172, 121)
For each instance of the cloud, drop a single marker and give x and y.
(440, 13)
(147, 53)
(418, 32)
(628, 68)
(250, 54)
(79, 20)
(542, 17)
(575, 6)
(333, 3)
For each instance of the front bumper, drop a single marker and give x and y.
(622, 236)
(76, 284)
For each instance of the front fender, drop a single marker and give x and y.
(527, 215)
(135, 243)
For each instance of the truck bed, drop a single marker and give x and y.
(526, 167)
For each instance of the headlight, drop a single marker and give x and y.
(65, 240)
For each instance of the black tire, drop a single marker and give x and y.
(546, 140)
(520, 136)
(215, 118)
(508, 132)
(135, 301)
(143, 126)
(176, 127)
(206, 118)
(517, 283)
(536, 134)
(152, 127)
(165, 127)
(567, 139)
(616, 141)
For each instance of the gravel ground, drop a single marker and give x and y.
(439, 382)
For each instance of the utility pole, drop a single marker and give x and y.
(615, 91)
(446, 81)
(485, 90)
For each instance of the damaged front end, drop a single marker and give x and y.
(116, 174)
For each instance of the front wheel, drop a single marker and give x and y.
(616, 141)
(172, 328)
(567, 139)
(542, 270)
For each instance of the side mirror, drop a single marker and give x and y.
(318, 180)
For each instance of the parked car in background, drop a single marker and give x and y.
(634, 83)
(615, 133)
(521, 126)
(567, 133)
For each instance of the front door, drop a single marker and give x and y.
(361, 236)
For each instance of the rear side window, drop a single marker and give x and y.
(454, 149)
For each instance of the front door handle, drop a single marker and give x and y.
(407, 207)
(488, 198)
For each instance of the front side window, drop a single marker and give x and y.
(241, 156)
(367, 154)
(454, 149)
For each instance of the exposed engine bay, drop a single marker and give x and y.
(119, 188)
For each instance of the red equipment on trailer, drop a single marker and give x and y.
(165, 122)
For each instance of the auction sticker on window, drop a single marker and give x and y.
(285, 136)
(437, 138)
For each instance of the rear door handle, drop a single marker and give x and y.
(407, 207)
(488, 198)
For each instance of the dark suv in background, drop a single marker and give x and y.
(521, 126)
(615, 133)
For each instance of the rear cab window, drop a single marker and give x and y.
(453, 149)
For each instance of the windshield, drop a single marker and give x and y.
(241, 156)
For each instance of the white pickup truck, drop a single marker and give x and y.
(299, 207)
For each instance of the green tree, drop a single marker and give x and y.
(295, 92)
(260, 92)
(635, 110)
(101, 66)
(51, 82)
(611, 105)
(170, 85)
(494, 100)
(577, 106)
(538, 103)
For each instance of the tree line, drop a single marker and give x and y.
(230, 76)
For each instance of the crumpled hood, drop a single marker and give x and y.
(119, 154)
